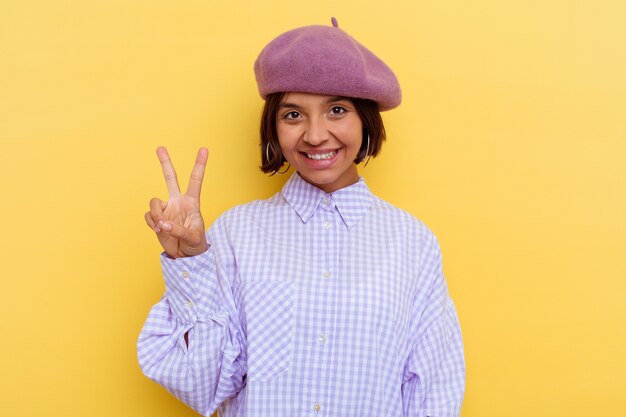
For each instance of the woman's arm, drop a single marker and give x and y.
(434, 380)
(191, 342)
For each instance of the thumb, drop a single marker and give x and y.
(190, 237)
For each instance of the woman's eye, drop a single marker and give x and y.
(292, 115)
(337, 110)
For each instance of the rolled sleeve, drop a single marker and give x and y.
(190, 293)
(434, 380)
(198, 301)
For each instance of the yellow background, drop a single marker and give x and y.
(510, 144)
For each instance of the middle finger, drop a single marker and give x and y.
(197, 174)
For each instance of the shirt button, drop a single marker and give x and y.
(185, 274)
(326, 225)
(317, 407)
(326, 274)
(189, 303)
(325, 200)
(321, 339)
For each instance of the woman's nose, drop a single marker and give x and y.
(316, 132)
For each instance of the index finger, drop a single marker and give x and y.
(197, 174)
(168, 172)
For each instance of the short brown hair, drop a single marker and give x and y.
(271, 156)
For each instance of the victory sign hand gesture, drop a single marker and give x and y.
(178, 222)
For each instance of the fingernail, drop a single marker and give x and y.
(160, 224)
(166, 226)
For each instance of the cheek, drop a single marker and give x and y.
(287, 138)
(283, 143)
(353, 133)
(353, 138)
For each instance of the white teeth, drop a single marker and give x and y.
(322, 155)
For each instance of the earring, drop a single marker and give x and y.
(267, 157)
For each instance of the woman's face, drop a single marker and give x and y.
(320, 137)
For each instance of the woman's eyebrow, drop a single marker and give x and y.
(335, 99)
(290, 105)
(328, 101)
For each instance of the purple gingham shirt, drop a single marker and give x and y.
(309, 304)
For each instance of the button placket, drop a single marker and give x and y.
(328, 265)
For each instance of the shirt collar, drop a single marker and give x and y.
(352, 202)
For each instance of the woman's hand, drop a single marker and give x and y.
(178, 222)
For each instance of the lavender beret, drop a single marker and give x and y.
(325, 60)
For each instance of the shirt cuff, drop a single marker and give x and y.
(186, 280)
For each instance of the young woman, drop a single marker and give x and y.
(324, 299)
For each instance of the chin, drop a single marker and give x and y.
(319, 178)
(329, 181)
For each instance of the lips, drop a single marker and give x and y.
(321, 156)
(321, 159)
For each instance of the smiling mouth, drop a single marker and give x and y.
(321, 156)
